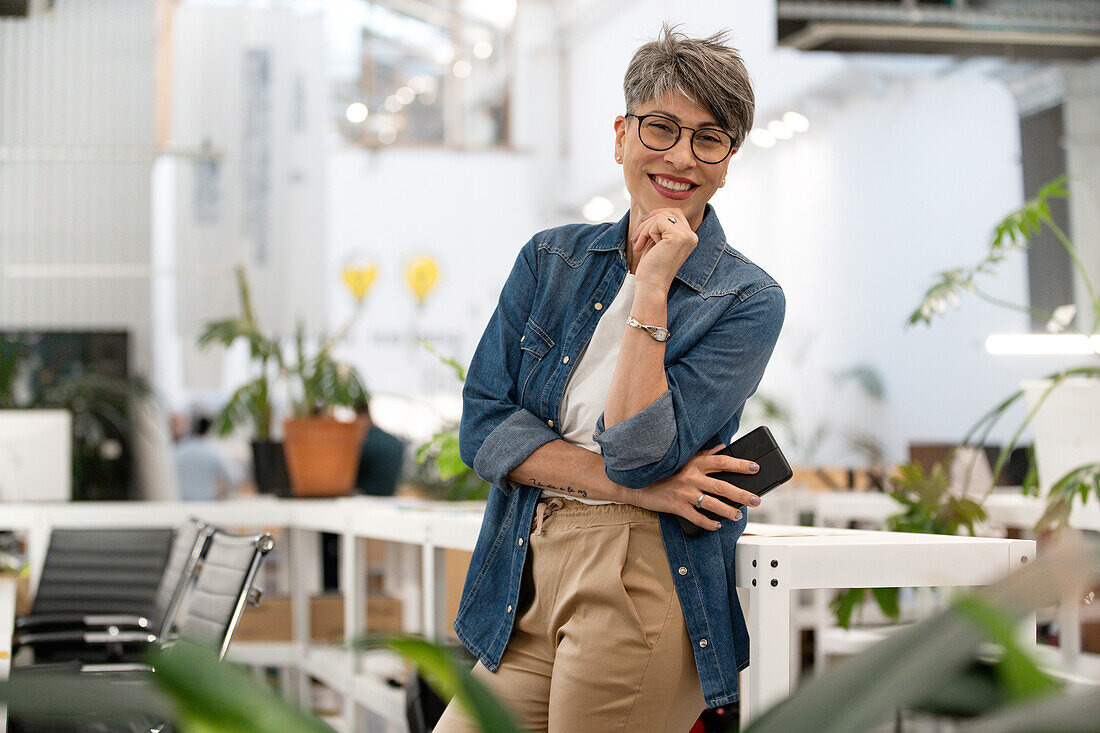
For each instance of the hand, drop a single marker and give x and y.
(661, 246)
(678, 493)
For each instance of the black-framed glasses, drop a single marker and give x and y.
(709, 144)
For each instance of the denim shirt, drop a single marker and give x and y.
(724, 314)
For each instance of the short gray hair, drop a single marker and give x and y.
(706, 70)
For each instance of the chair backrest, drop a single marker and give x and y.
(183, 561)
(102, 571)
(217, 600)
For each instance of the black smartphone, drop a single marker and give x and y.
(759, 447)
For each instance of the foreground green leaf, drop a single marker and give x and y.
(216, 697)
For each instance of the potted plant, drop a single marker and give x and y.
(439, 467)
(1064, 407)
(252, 403)
(320, 453)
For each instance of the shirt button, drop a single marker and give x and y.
(598, 306)
(565, 360)
(520, 542)
(683, 571)
(550, 423)
(702, 642)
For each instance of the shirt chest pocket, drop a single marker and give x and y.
(535, 343)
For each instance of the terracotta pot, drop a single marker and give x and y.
(322, 454)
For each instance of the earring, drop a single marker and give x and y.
(618, 159)
(722, 183)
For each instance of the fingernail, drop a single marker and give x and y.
(719, 525)
(738, 518)
(753, 467)
(755, 501)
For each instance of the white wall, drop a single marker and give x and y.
(259, 201)
(471, 212)
(76, 154)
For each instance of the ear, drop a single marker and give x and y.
(620, 136)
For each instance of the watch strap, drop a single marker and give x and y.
(659, 333)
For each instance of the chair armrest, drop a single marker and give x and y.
(61, 621)
(116, 668)
(44, 639)
(119, 637)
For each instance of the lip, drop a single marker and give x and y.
(669, 193)
(678, 179)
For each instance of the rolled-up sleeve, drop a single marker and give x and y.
(706, 388)
(496, 434)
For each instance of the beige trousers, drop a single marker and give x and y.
(600, 643)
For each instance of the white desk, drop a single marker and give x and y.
(772, 561)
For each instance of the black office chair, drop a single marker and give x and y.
(111, 637)
(94, 572)
(209, 615)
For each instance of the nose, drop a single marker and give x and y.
(681, 155)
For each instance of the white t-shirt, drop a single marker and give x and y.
(586, 392)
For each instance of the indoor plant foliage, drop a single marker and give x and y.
(440, 469)
(1013, 234)
(930, 507)
(317, 383)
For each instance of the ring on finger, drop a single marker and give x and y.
(699, 501)
(672, 219)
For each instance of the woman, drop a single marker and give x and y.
(616, 364)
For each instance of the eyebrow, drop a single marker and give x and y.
(671, 116)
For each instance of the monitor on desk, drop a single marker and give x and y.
(36, 455)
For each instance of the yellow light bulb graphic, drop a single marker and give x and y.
(359, 279)
(421, 274)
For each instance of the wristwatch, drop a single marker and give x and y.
(659, 333)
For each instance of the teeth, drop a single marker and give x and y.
(671, 185)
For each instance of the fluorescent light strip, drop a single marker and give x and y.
(1041, 343)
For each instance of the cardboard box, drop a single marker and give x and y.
(271, 620)
(457, 562)
(22, 592)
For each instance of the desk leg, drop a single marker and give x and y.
(769, 624)
(304, 573)
(352, 585)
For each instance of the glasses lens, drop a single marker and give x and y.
(711, 146)
(659, 133)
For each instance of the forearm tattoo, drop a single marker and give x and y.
(567, 489)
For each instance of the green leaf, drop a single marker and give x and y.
(450, 679)
(845, 603)
(887, 599)
(1020, 676)
(216, 696)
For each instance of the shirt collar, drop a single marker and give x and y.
(700, 263)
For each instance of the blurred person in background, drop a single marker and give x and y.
(203, 471)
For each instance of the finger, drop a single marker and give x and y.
(715, 505)
(712, 451)
(733, 493)
(731, 464)
(700, 520)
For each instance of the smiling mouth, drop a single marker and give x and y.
(672, 185)
(677, 188)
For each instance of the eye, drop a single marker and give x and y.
(660, 126)
(710, 138)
